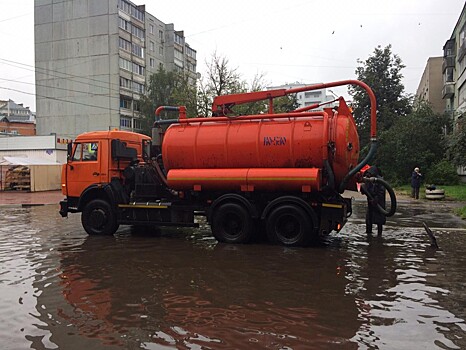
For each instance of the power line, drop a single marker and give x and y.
(61, 100)
(11, 18)
(65, 75)
(58, 88)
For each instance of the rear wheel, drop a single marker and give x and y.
(231, 223)
(289, 225)
(98, 218)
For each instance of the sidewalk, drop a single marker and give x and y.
(25, 199)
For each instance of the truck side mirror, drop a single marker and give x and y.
(69, 150)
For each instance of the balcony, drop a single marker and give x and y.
(448, 90)
(448, 62)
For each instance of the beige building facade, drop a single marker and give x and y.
(431, 84)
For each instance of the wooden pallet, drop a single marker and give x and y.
(18, 178)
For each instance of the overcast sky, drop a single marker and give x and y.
(287, 41)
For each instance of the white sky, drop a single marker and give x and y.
(309, 41)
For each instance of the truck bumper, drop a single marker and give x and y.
(64, 208)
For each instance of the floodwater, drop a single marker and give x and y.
(179, 289)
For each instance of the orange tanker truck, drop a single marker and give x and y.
(282, 173)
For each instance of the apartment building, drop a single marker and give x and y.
(93, 58)
(307, 98)
(431, 84)
(454, 73)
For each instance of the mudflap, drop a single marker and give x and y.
(64, 208)
(334, 216)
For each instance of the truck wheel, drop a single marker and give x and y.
(231, 223)
(289, 225)
(98, 218)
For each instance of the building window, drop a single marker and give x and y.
(160, 35)
(191, 67)
(137, 50)
(151, 28)
(312, 94)
(161, 50)
(152, 46)
(124, 44)
(178, 55)
(136, 106)
(448, 75)
(152, 63)
(125, 103)
(137, 87)
(125, 64)
(125, 122)
(124, 24)
(190, 52)
(138, 32)
(137, 124)
(178, 39)
(138, 69)
(136, 13)
(125, 83)
(124, 6)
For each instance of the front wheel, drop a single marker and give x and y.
(231, 223)
(289, 225)
(98, 218)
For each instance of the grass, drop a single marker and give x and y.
(452, 192)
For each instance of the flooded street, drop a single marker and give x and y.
(179, 289)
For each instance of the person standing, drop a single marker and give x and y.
(416, 178)
(375, 193)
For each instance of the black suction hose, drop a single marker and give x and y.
(390, 191)
(369, 156)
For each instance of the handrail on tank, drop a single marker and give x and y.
(181, 109)
(243, 117)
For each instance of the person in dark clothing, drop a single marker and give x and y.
(416, 178)
(375, 193)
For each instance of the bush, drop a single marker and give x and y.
(442, 173)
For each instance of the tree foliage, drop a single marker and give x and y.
(416, 140)
(382, 72)
(167, 88)
(457, 144)
(221, 79)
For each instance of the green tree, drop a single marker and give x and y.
(286, 103)
(382, 72)
(167, 88)
(457, 144)
(221, 79)
(416, 140)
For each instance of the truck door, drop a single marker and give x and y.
(84, 168)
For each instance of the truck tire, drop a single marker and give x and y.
(98, 218)
(290, 226)
(231, 223)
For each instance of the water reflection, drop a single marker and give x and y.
(179, 289)
(170, 292)
(400, 292)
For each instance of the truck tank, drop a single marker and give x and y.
(261, 152)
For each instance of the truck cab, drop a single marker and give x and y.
(95, 160)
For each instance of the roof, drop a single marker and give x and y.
(26, 161)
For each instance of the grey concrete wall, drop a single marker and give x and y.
(77, 70)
